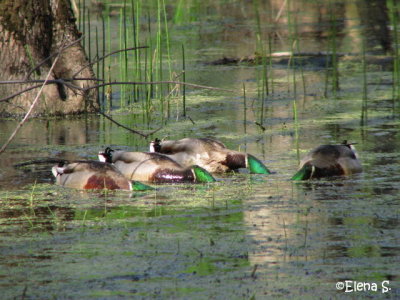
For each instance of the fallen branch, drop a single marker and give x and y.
(145, 135)
(158, 82)
(255, 59)
(48, 82)
(20, 92)
(65, 82)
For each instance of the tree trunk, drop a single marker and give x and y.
(31, 31)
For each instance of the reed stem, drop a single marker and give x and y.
(183, 80)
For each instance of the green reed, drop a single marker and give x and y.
(135, 20)
(302, 76)
(89, 36)
(244, 109)
(96, 36)
(103, 52)
(183, 80)
(83, 20)
(394, 16)
(146, 65)
(271, 73)
(292, 40)
(158, 51)
(121, 59)
(332, 64)
(179, 16)
(262, 76)
(296, 129)
(364, 107)
(79, 16)
(125, 53)
(149, 68)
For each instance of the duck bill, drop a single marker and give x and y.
(138, 186)
(102, 157)
(256, 166)
(201, 175)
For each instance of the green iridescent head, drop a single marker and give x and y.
(256, 166)
(138, 186)
(201, 175)
(304, 173)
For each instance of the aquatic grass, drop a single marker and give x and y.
(125, 54)
(159, 59)
(89, 36)
(108, 93)
(394, 18)
(183, 80)
(296, 129)
(83, 222)
(292, 69)
(244, 109)
(262, 75)
(167, 39)
(31, 197)
(364, 106)
(332, 64)
(83, 21)
(98, 65)
(121, 59)
(303, 80)
(271, 73)
(179, 16)
(265, 89)
(79, 16)
(292, 40)
(103, 63)
(137, 74)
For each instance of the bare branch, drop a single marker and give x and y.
(145, 135)
(158, 82)
(45, 82)
(30, 108)
(20, 92)
(49, 81)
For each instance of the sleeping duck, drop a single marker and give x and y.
(329, 160)
(153, 167)
(209, 154)
(93, 175)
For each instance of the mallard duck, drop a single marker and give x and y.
(329, 160)
(210, 154)
(93, 175)
(153, 167)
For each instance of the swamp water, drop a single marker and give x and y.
(243, 237)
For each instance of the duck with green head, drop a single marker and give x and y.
(210, 154)
(93, 175)
(154, 167)
(329, 160)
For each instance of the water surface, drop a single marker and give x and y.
(244, 237)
